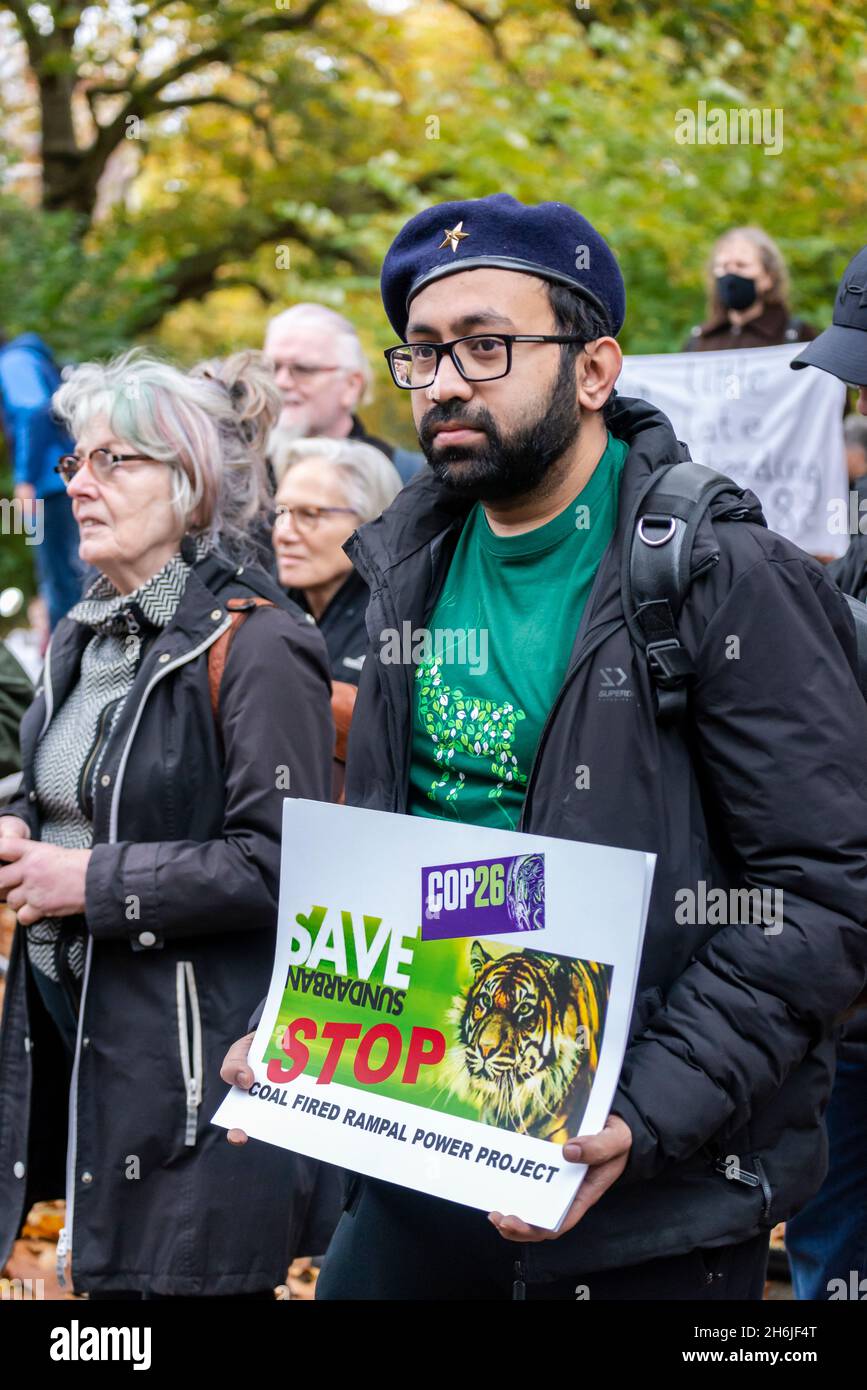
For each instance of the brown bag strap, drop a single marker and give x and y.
(342, 704)
(218, 652)
(342, 698)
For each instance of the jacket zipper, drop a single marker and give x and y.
(191, 1065)
(64, 1241)
(64, 1235)
(64, 970)
(102, 727)
(47, 688)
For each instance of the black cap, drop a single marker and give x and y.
(842, 348)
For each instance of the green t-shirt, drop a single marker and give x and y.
(500, 638)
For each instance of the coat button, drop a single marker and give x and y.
(31, 796)
(240, 569)
(18, 1169)
(105, 780)
(164, 657)
(146, 938)
(216, 615)
(85, 1042)
(87, 1177)
(27, 1044)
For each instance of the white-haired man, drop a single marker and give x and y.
(324, 375)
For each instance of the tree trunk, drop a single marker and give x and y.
(66, 180)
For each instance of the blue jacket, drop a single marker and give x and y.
(29, 376)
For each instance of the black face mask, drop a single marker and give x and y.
(736, 291)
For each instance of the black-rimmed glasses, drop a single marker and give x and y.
(483, 356)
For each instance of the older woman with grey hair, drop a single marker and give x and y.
(183, 698)
(325, 489)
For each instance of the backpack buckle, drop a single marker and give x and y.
(670, 664)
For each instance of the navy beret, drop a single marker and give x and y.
(550, 240)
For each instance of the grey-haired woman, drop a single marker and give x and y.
(182, 699)
(325, 489)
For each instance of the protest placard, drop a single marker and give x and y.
(748, 415)
(448, 1004)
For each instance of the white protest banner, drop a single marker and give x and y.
(748, 415)
(448, 1004)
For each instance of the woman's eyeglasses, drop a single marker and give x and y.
(308, 518)
(102, 464)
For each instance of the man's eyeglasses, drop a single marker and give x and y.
(478, 357)
(305, 371)
(308, 518)
(102, 463)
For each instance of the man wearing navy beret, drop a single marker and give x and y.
(518, 534)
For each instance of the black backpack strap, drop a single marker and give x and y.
(657, 573)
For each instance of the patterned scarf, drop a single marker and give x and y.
(70, 753)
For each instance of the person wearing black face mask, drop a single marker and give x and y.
(747, 297)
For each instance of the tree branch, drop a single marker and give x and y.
(196, 275)
(232, 282)
(368, 61)
(29, 32)
(215, 99)
(145, 99)
(221, 51)
(490, 28)
(485, 23)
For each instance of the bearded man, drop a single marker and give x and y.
(522, 525)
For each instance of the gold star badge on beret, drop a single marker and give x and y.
(451, 238)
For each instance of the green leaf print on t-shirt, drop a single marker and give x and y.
(456, 722)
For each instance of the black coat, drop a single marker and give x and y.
(343, 627)
(16, 692)
(771, 328)
(732, 1041)
(850, 574)
(180, 905)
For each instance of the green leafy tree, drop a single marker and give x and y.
(202, 166)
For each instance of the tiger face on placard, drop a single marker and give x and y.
(529, 1029)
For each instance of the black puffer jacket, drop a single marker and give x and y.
(181, 900)
(732, 1042)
